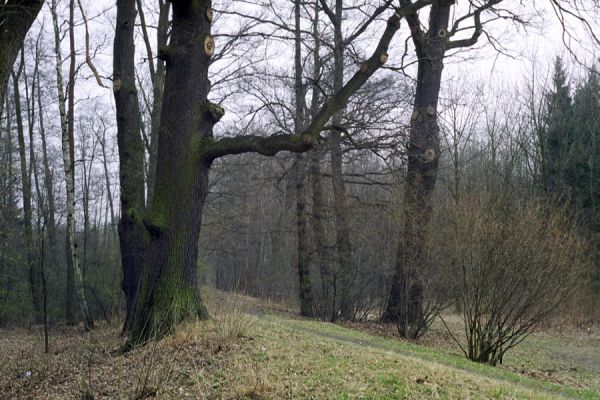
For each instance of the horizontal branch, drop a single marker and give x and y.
(265, 145)
(306, 140)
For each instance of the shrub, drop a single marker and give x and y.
(511, 266)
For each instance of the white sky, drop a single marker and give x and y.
(534, 49)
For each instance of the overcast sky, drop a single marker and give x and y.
(533, 47)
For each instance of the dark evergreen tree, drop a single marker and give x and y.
(571, 150)
(555, 144)
(582, 173)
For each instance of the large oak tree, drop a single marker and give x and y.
(168, 290)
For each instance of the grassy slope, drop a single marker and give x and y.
(264, 356)
(307, 359)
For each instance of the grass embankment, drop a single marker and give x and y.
(266, 356)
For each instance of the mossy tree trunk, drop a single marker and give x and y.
(168, 292)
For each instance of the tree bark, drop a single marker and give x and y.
(132, 233)
(304, 281)
(405, 303)
(169, 291)
(318, 201)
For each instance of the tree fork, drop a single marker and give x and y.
(168, 292)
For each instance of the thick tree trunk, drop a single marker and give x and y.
(345, 274)
(132, 233)
(405, 303)
(169, 291)
(16, 17)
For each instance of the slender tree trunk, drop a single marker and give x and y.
(85, 205)
(26, 193)
(7, 199)
(48, 180)
(109, 196)
(37, 266)
(16, 17)
(157, 76)
(44, 292)
(68, 149)
(405, 304)
(318, 200)
(342, 220)
(304, 283)
(41, 230)
(132, 233)
(70, 286)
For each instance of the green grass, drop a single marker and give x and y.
(259, 355)
(309, 359)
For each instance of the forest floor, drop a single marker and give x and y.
(253, 350)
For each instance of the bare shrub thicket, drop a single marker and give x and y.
(512, 266)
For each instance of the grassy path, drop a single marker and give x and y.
(403, 349)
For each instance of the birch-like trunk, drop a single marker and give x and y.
(67, 126)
